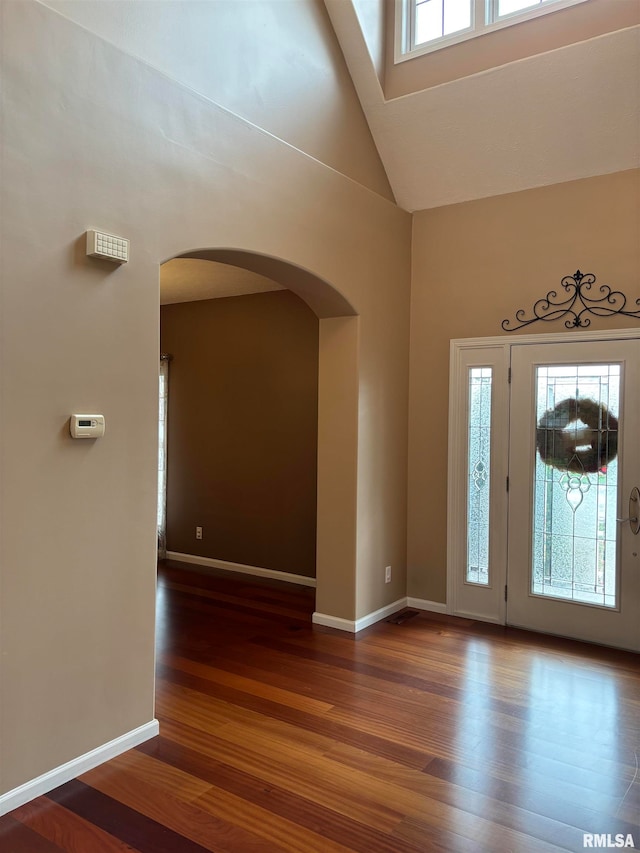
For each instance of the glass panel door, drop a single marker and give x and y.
(576, 483)
(572, 566)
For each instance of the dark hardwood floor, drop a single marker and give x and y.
(427, 733)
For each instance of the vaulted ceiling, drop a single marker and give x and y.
(556, 105)
(558, 115)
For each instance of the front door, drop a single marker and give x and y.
(573, 562)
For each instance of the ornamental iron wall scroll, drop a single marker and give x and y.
(580, 300)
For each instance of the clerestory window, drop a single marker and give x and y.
(427, 25)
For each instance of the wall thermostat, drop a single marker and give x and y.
(86, 426)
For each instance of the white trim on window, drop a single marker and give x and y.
(484, 16)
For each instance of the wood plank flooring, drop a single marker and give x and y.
(426, 734)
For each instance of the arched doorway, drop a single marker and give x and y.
(337, 407)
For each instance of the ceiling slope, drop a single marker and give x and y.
(559, 116)
(273, 63)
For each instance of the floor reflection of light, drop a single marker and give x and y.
(572, 733)
(548, 727)
(475, 734)
(161, 594)
(162, 612)
(576, 703)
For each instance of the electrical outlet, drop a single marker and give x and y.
(387, 574)
(198, 533)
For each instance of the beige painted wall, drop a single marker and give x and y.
(273, 62)
(243, 430)
(338, 379)
(474, 265)
(95, 138)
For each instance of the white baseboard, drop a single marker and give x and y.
(76, 767)
(353, 626)
(226, 566)
(379, 615)
(424, 604)
(334, 622)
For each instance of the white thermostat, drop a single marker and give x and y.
(86, 426)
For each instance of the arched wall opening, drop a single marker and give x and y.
(165, 168)
(337, 420)
(324, 299)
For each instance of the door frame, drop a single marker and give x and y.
(488, 604)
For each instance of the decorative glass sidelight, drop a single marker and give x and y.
(478, 475)
(576, 483)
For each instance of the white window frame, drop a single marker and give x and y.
(484, 19)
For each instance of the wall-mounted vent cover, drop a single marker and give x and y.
(107, 246)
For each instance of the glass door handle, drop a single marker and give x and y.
(634, 507)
